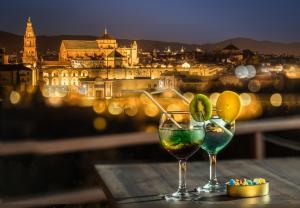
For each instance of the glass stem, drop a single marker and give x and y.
(182, 174)
(212, 168)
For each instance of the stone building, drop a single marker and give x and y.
(104, 51)
(3, 56)
(107, 88)
(17, 76)
(232, 54)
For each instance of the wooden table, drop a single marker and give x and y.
(139, 185)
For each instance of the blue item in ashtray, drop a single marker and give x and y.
(231, 182)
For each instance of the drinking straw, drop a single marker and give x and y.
(173, 90)
(222, 127)
(155, 102)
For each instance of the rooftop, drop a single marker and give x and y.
(231, 47)
(115, 54)
(80, 44)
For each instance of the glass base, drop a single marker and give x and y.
(212, 188)
(179, 196)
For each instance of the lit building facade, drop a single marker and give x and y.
(64, 75)
(103, 52)
(107, 88)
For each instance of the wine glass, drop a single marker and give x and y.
(218, 133)
(181, 139)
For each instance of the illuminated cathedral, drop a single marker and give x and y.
(105, 50)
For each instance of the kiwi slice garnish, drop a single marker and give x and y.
(201, 108)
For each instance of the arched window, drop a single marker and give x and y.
(74, 73)
(74, 82)
(84, 73)
(54, 73)
(65, 81)
(55, 82)
(65, 73)
(46, 80)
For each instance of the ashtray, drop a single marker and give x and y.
(248, 190)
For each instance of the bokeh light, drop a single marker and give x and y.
(151, 128)
(55, 101)
(115, 108)
(99, 123)
(14, 97)
(167, 94)
(246, 99)
(99, 106)
(254, 85)
(276, 100)
(173, 107)
(189, 96)
(130, 110)
(144, 99)
(251, 71)
(214, 97)
(151, 110)
(241, 72)
(253, 110)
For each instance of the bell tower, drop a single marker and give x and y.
(29, 51)
(134, 53)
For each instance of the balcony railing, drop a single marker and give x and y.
(258, 128)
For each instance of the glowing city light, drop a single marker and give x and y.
(241, 72)
(276, 100)
(246, 99)
(144, 99)
(130, 110)
(115, 108)
(251, 71)
(186, 65)
(151, 129)
(99, 123)
(214, 97)
(173, 107)
(253, 110)
(99, 106)
(54, 101)
(151, 110)
(254, 85)
(14, 97)
(189, 96)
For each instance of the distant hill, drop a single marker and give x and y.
(14, 43)
(263, 47)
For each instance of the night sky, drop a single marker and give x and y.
(190, 21)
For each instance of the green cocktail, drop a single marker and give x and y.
(181, 143)
(181, 136)
(216, 137)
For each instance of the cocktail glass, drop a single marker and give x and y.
(217, 136)
(182, 142)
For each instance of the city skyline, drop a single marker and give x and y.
(192, 22)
